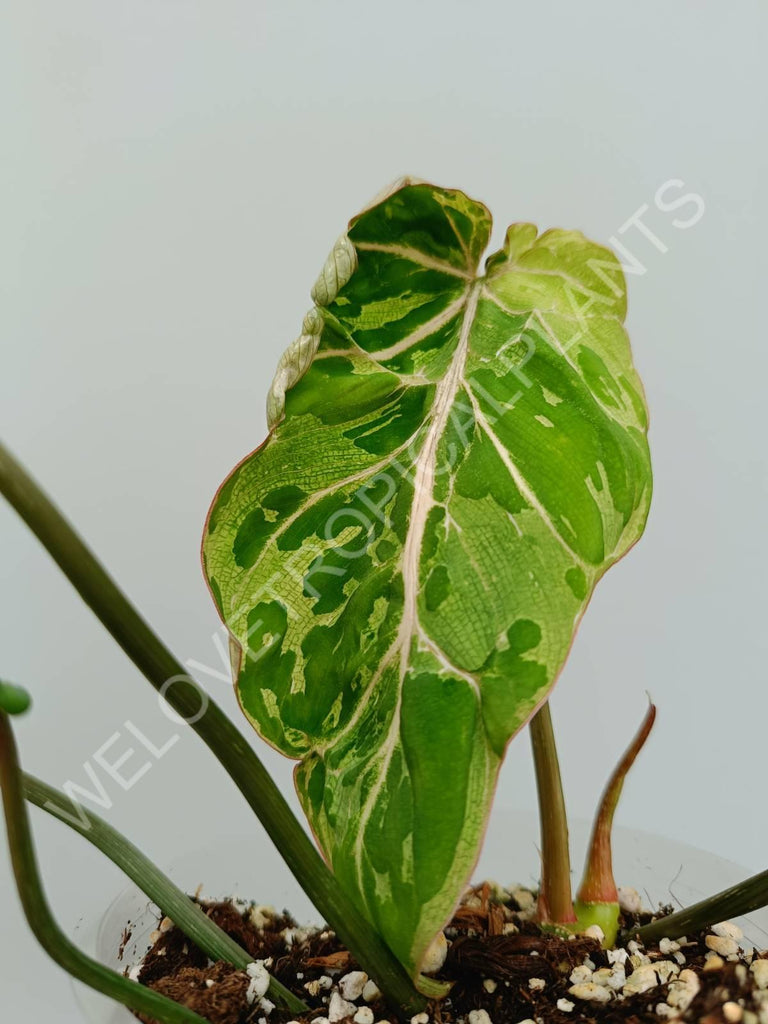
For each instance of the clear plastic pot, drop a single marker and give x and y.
(662, 870)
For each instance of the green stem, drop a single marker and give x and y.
(740, 899)
(555, 897)
(173, 903)
(210, 723)
(39, 916)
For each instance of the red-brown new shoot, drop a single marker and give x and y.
(597, 901)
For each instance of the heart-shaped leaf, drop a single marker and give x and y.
(454, 460)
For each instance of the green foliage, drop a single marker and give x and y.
(14, 700)
(454, 460)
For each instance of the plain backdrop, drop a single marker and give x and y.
(173, 175)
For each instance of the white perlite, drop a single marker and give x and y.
(259, 982)
(371, 991)
(595, 932)
(565, 1005)
(490, 985)
(760, 973)
(617, 956)
(683, 990)
(629, 900)
(420, 1018)
(637, 957)
(723, 945)
(727, 930)
(618, 979)
(580, 974)
(524, 898)
(666, 969)
(591, 993)
(666, 1011)
(639, 960)
(667, 946)
(732, 1012)
(339, 1008)
(352, 985)
(321, 984)
(295, 936)
(640, 980)
(713, 962)
(536, 984)
(364, 1015)
(261, 915)
(435, 956)
(479, 1017)
(610, 977)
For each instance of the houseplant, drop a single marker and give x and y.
(235, 866)
(453, 461)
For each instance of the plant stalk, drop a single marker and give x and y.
(739, 899)
(598, 884)
(39, 916)
(172, 901)
(239, 760)
(555, 897)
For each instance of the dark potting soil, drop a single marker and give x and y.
(503, 969)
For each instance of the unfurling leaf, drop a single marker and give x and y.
(597, 901)
(454, 460)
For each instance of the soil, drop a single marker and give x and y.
(503, 968)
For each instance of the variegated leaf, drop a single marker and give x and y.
(454, 460)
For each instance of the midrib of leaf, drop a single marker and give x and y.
(423, 488)
(445, 395)
(424, 477)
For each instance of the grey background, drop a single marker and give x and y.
(174, 174)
